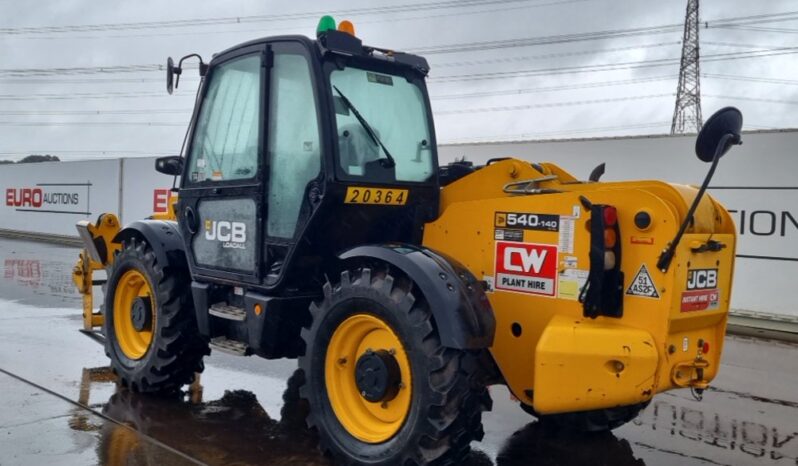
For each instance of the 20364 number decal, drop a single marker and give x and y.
(377, 196)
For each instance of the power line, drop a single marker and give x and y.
(618, 82)
(451, 48)
(92, 151)
(25, 72)
(145, 111)
(252, 18)
(527, 136)
(595, 35)
(89, 123)
(755, 19)
(753, 99)
(88, 96)
(761, 29)
(19, 80)
(569, 103)
(426, 16)
(611, 66)
(80, 70)
(756, 79)
(551, 55)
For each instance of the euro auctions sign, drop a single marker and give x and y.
(55, 198)
(526, 268)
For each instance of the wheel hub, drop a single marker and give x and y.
(141, 313)
(378, 376)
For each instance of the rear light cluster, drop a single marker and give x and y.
(603, 293)
(610, 215)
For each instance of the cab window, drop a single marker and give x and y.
(225, 145)
(395, 111)
(294, 151)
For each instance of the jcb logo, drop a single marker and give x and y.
(702, 279)
(231, 234)
(524, 259)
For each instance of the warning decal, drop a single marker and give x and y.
(643, 285)
(526, 268)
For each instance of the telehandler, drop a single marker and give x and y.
(314, 222)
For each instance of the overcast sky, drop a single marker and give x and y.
(52, 111)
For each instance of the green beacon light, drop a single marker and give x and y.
(326, 23)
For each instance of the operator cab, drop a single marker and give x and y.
(299, 149)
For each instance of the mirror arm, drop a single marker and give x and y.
(667, 255)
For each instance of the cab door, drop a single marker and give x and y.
(293, 174)
(221, 196)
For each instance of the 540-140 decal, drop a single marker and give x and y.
(527, 221)
(375, 196)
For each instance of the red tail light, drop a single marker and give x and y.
(610, 216)
(603, 292)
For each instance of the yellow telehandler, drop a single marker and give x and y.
(314, 222)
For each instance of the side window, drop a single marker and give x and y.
(225, 145)
(293, 148)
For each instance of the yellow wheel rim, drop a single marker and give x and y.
(133, 342)
(371, 422)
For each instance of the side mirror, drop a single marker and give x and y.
(716, 137)
(726, 121)
(169, 165)
(171, 72)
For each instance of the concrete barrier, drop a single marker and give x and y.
(757, 181)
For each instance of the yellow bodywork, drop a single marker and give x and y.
(100, 235)
(549, 354)
(99, 258)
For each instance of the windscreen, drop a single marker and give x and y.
(395, 111)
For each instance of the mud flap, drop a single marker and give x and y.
(584, 365)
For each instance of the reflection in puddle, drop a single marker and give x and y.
(540, 444)
(236, 429)
(751, 439)
(37, 281)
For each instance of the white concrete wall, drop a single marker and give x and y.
(758, 181)
(50, 197)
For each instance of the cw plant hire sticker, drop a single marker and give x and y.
(526, 268)
(643, 285)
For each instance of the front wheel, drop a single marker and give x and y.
(380, 386)
(150, 326)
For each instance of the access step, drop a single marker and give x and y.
(226, 311)
(233, 347)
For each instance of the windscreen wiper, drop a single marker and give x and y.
(389, 160)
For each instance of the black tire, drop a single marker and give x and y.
(445, 412)
(176, 350)
(598, 420)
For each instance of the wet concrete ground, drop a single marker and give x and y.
(59, 404)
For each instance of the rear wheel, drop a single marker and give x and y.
(150, 328)
(380, 386)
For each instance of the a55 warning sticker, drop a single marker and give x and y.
(542, 222)
(379, 196)
(526, 268)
